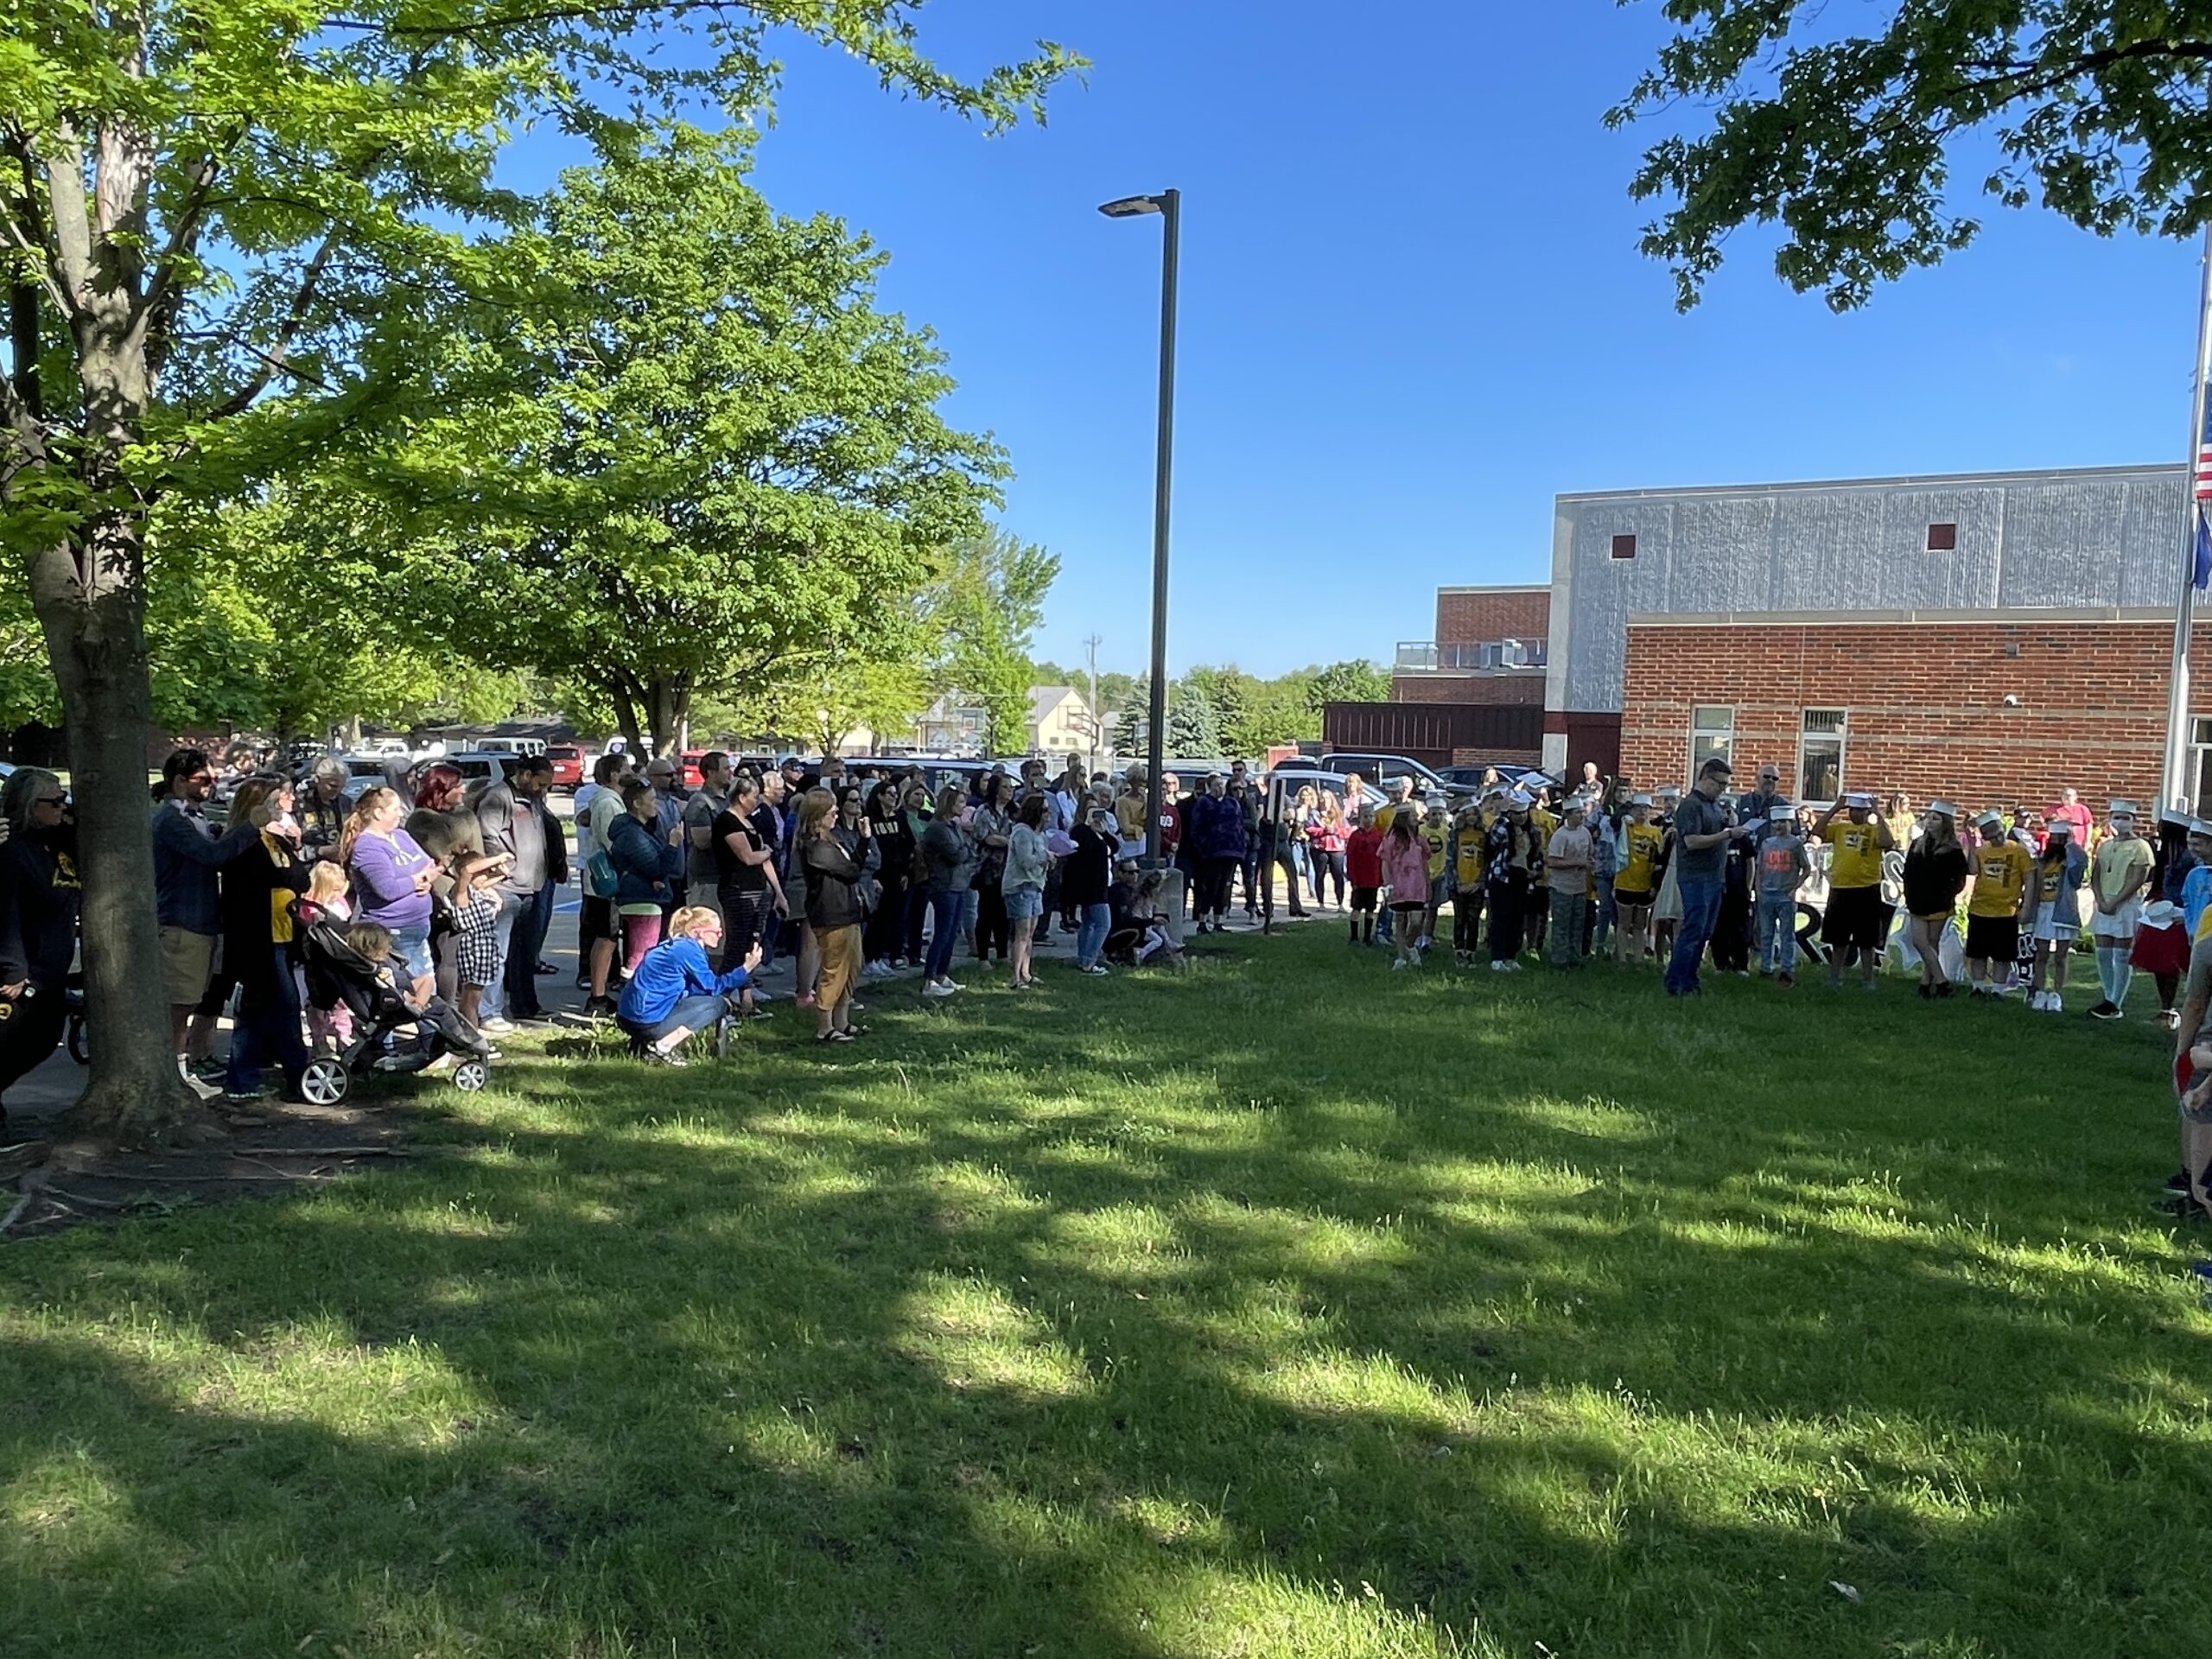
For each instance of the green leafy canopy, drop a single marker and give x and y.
(1842, 126)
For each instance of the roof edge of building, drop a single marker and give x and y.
(2155, 469)
(2056, 615)
(1502, 588)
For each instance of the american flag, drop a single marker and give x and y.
(2201, 574)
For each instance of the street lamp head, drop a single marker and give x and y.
(1131, 206)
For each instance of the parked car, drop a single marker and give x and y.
(567, 766)
(1384, 770)
(1470, 778)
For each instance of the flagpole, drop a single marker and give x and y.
(2179, 786)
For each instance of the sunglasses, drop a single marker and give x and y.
(50, 800)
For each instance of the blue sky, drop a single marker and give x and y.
(1413, 310)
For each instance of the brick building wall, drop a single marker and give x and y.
(1474, 616)
(1525, 689)
(1923, 698)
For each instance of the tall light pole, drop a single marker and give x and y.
(1090, 656)
(1168, 204)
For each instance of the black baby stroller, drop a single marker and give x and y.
(389, 1037)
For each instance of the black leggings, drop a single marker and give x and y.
(743, 909)
(1466, 918)
(1327, 867)
(1215, 875)
(1509, 902)
(990, 922)
(884, 934)
(33, 1027)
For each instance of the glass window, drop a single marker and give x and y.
(1712, 731)
(1942, 538)
(1623, 547)
(1820, 755)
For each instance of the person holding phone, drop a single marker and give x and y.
(1704, 826)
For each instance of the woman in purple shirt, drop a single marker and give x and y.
(391, 881)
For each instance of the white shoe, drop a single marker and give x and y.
(1097, 970)
(939, 987)
(497, 1026)
(1498, 967)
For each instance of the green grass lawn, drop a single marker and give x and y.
(1290, 1308)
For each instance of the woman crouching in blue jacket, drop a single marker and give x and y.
(674, 990)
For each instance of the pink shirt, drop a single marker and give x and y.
(2078, 816)
(1405, 868)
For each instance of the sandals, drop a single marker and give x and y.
(834, 1037)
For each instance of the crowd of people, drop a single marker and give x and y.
(690, 897)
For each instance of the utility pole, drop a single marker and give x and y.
(1090, 654)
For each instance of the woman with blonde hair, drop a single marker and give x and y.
(1326, 838)
(834, 911)
(674, 990)
(259, 886)
(392, 882)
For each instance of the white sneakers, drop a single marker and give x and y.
(939, 987)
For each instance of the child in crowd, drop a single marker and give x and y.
(2052, 907)
(1636, 885)
(1782, 866)
(1569, 853)
(2119, 871)
(1512, 859)
(330, 1030)
(2196, 886)
(1468, 832)
(2161, 950)
(2002, 869)
(1405, 871)
(1436, 836)
(1364, 864)
(1667, 908)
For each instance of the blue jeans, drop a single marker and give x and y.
(1701, 897)
(692, 1012)
(1608, 913)
(944, 932)
(493, 1002)
(1777, 921)
(523, 946)
(1090, 937)
(268, 1027)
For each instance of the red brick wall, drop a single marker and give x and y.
(1925, 703)
(1474, 618)
(1518, 690)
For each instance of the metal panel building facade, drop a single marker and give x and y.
(2087, 539)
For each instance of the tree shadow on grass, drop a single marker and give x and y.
(943, 1350)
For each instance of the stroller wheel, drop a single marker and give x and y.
(79, 1050)
(470, 1076)
(324, 1083)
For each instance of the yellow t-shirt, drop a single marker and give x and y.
(2001, 876)
(1543, 823)
(1468, 869)
(1855, 855)
(1640, 845)
(1439, 837)
(1383, 816)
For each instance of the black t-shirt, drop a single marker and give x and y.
(730, 871)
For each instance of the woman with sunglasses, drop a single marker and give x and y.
(39, 898)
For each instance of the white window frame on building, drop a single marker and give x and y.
(1822, 732)
(1708, 739)
(2200, 761)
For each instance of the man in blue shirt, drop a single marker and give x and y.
(1703, 828)
(186, 853)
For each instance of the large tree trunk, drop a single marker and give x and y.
(97, 643)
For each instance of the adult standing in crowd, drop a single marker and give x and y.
(186, 854)
(948, 863)
(1027, 864)
(258, 887)
(533, 785)
(2071, 810)
(702, 876)
(1084, 883)
(1935, 872)
(41, 895)
(991, 826)
(2119, 871)
(749, 890)
(647, 861)
(392, 877)
(1213, 830)
(322, 806)
(884, 938)
(834, 912)
(1703, 828)
(597, 812)
(508, 824)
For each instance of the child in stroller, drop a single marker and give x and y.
(352, 964)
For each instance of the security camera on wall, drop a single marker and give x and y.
(2012, 702)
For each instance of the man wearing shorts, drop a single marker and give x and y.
(187, 852)
(1856, 922)
(2001, 867)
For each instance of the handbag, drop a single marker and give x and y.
(600, 874)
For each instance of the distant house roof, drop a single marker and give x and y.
(1043, 699)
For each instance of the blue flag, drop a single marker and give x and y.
(2203, 574)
